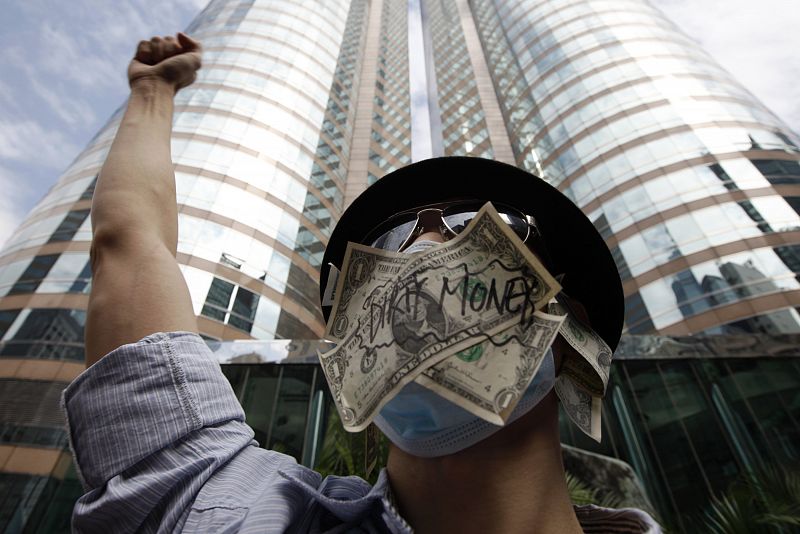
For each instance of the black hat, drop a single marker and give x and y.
(575, 247)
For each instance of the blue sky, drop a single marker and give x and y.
(62, 72)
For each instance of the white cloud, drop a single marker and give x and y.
(13, 205)
(72, 58)
(73, 111)
(27, 140)
(757, 42)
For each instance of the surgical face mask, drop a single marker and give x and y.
(420, 246)
(424, 424)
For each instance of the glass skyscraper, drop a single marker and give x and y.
(302, 104)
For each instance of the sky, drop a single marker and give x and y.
(62, 72)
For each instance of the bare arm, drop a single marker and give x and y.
(137, 287)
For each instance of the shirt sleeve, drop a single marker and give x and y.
(148, 425)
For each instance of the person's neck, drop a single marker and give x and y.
(510, 482)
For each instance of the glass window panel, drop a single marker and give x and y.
(258, 398)
(661, 302)
(199, 283)
(266, 319)
(7, 318)
(777, 213)
(636, 254)
(660, 244)
(689, 237)
(288, 430)
(655, 411)
(69, 226)
(617, 213)
(51, 334)
(758, 415)
(10, 273)
(64, 273)
(218, 299)
(84, 233)
(698, 419)
(83, 282)
(244, 310)
(637, 317)
(30, 279)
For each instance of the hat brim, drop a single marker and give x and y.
(575, 247)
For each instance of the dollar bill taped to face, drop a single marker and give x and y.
(468, 319)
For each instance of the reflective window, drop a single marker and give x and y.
(276, 400)
(34, 233)
(70, 273)
(244, 310)
(238, 307)
(779, 172)
(10, 274)
(218, 299)
(69, 226)
(49, 334)
(18, 492)
(265, 323)
(30, 279)
(637, 318)
(7, 318)
(724, 281)
(67, 192)
(210, 241)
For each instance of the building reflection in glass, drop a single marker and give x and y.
(689, 427)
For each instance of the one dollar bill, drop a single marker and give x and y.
(490, 378)
(583, 409)
(591, 367)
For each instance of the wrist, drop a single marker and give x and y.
(151, 86)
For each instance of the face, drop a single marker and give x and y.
(418, 419)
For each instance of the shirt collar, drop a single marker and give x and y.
(351, 499)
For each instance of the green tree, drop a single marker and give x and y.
(766, 501)
(343, 453)
(581, 493)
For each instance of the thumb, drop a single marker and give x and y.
(187, 43)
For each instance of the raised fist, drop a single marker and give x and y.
(169, 59)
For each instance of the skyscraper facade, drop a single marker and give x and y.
(300, 105)
(690, 179)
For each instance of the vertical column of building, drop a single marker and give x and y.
(390, 142)
(463, 121)
(260, 151)
(495, 123)
(363, 104)
(515, 100)
(330, 174)
(693, 183)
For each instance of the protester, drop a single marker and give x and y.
(159, 439)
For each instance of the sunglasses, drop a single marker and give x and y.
(451, 218)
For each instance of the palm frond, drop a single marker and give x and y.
(730, 515)
(581, 493)
(763, 501)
